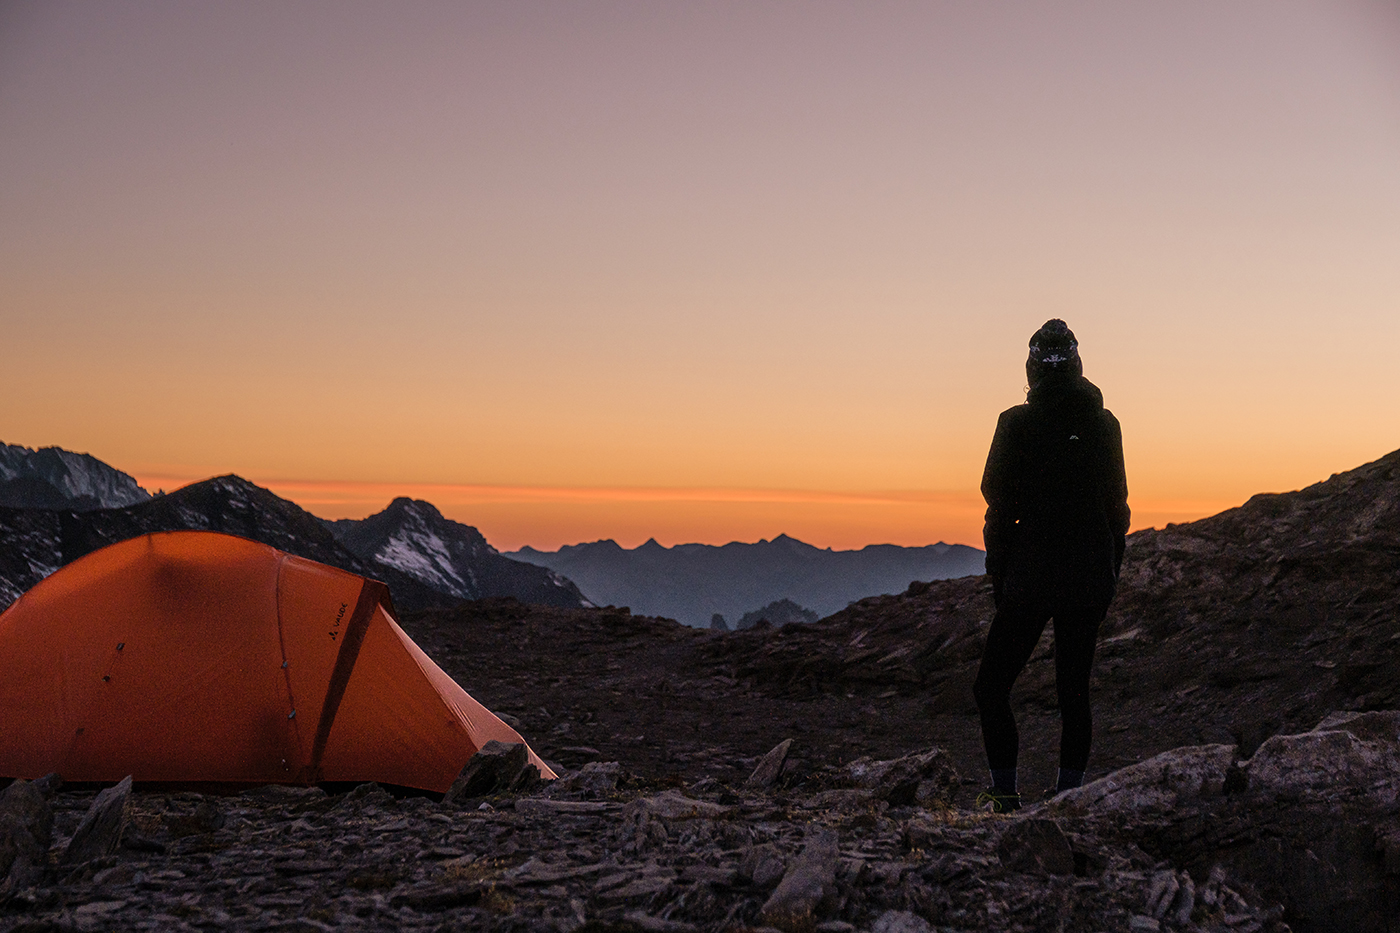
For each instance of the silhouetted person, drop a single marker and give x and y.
(1057, 517)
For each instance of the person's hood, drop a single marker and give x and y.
(1062, 390)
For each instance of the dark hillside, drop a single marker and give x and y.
(1257, 621)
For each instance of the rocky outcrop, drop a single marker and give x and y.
(1308, 822)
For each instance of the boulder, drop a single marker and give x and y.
(1159, 784)
(1355, 755)
(497, 768)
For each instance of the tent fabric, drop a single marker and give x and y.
(196, 657)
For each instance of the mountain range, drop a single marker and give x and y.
(426, 559)
(56, 505)
(694, 582)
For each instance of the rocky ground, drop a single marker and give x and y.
(1220, 803)
(1304, 836)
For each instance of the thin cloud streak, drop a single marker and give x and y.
(309, 492)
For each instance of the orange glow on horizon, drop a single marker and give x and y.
(548, 517)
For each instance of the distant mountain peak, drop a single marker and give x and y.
(51, 477)
(417, 507)
(415, 538)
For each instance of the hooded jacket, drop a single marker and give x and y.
(1057, 495)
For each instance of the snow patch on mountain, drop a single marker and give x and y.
(420, 553)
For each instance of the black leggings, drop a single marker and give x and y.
(1012, 638)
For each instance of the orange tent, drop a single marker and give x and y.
(195, 657)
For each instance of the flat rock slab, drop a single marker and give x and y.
(675, 806)
(98, 835)
(547, 807)
(768, 770)
(810, 881)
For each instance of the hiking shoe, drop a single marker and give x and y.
(995, 800)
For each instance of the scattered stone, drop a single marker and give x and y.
(206, 817)
(1161, 891)
(26, 828)
(48, 785)
(849, 799)
(808, 886)
(283, 861)
(101, 829)
(577, 754)
(899, 921)
(650, 924)
(763, 866)
(836, 926)
(1185, 900)
(922, 834)
(285, 793)
(771, 767)
(926, 779)
(497, 768)
(594, 779)
(1036, 845)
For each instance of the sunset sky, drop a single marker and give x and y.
(697, 271)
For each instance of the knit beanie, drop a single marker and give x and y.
(1053, 350)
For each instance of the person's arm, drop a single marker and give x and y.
(1119, 515)
(999, 489)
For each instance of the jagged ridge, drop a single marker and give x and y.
(413, 536)
(54, 478)
(693, 582)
